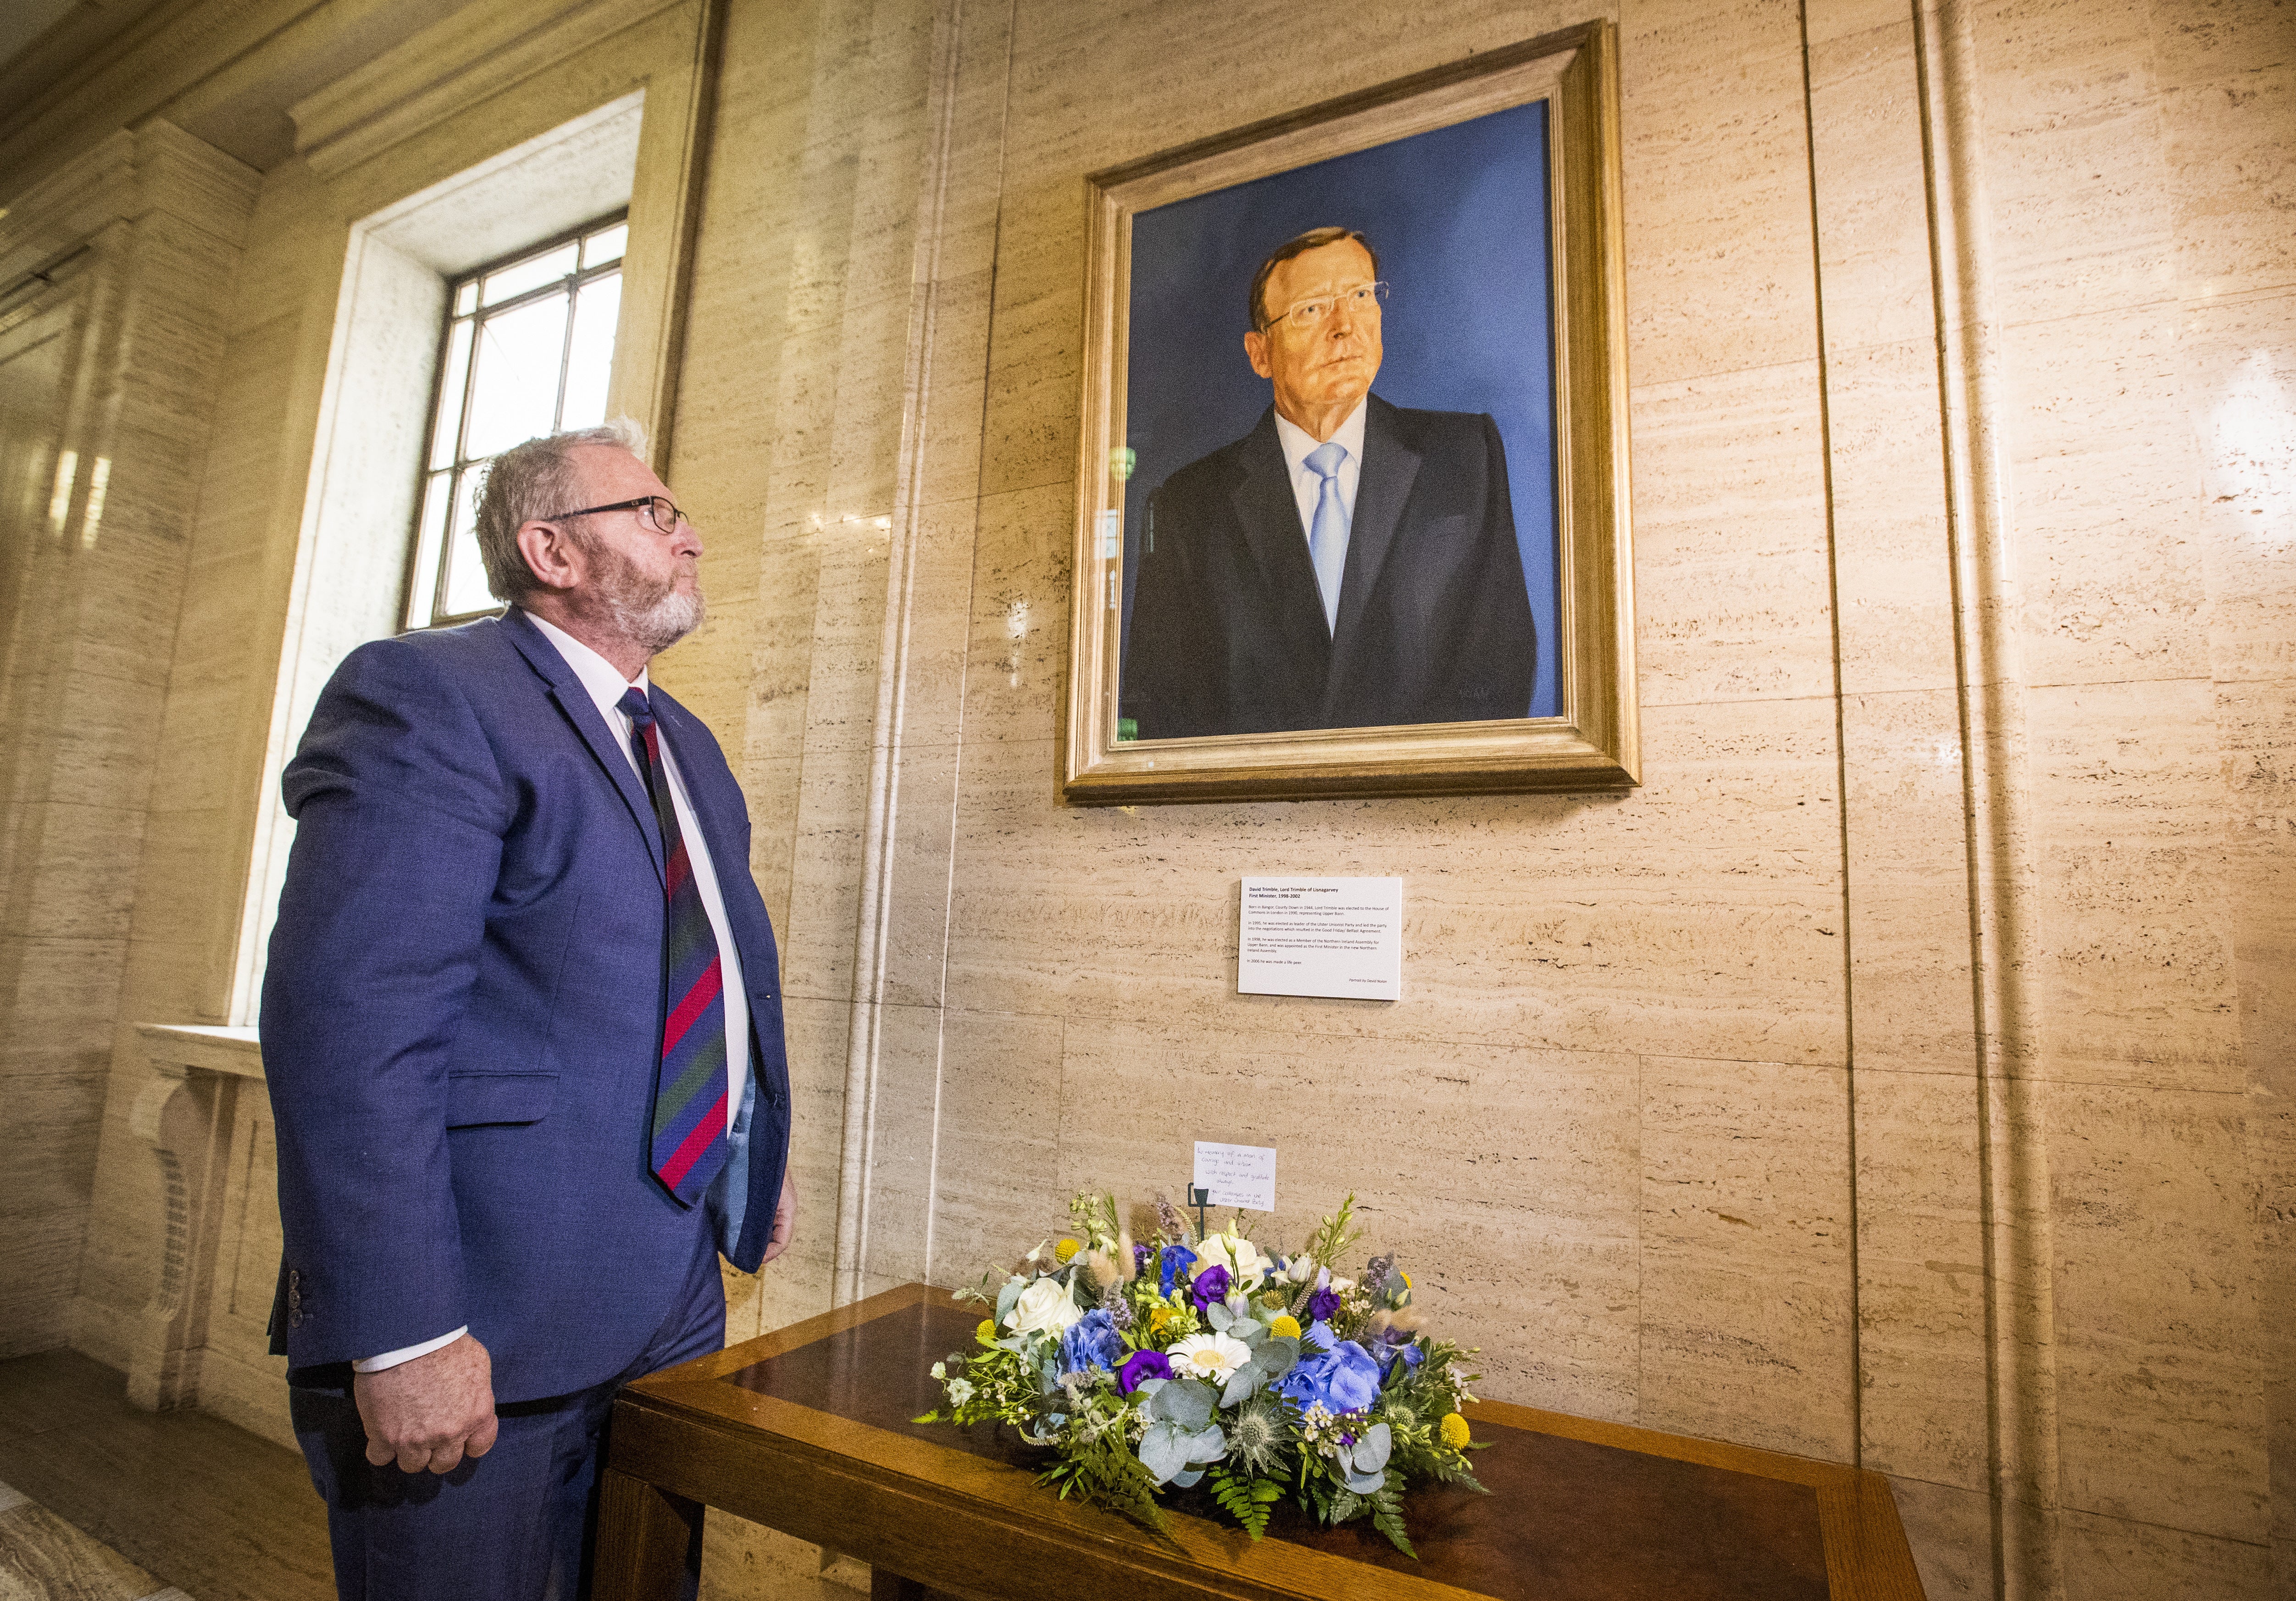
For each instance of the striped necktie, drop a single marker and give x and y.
(686, 1145)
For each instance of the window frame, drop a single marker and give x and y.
(458, 466)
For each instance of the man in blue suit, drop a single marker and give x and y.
(522, 1029)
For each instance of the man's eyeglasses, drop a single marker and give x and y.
(660, 514)
(1363, 301)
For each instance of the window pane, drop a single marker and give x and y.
(590, 363)
(533, 273)
(607, 244)
(516, 388)
(448, 423)
(423, 585)
(466, 299)
(466, 575)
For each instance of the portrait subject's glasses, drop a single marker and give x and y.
(1363, 300)
(661, 515)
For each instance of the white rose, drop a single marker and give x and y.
(1044, 1307)
(1239, 1256)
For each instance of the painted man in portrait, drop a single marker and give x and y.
(1347, 563)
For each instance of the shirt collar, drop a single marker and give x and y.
(600, 676)
(1297, 442)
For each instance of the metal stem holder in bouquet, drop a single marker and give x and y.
(1199, 1358)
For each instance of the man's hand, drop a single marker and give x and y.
(784, 1221)
(431, 1412)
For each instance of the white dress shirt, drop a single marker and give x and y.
(606, 685)
(1308, 484)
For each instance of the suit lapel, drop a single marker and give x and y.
(1383, 487)
(1269, 513)
(582, 711)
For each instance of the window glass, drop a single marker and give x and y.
(606, 245)
(512, 280)
(527, 349)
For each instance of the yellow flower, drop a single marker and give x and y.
(1286, 1326)
(1455, 1431)
(986, 1333)
(1160, 1318)
(1067, 1249)
(1407, 1280)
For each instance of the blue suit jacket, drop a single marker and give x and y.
(461, 1013)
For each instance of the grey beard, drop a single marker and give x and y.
(652, 616)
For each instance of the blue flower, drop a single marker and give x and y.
(1091, 1341)
(1339, 1373)
(1174, 1261)
(1412, 1356)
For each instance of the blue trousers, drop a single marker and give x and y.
(515, 1524)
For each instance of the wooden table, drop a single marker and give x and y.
(807, 1431)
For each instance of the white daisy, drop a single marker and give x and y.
(1211, 1357)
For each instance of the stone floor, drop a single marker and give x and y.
(44, 1558)
(102, 1502)
(182, 1503)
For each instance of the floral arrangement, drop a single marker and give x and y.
(1192, 1359)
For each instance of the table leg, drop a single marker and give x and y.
(644, 1534)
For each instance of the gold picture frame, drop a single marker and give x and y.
(1593, 743)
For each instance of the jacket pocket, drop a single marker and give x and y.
(476, 1099)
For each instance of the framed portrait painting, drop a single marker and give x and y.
(1352, 511)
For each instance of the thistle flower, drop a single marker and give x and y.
(1255, 1436)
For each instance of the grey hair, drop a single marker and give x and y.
(534, 482)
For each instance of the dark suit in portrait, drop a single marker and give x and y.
(1227, 633)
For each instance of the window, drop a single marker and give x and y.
(529, 349)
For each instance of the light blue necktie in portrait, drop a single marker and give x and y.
(1327, 534)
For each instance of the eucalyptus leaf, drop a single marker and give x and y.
(1186, 1479)
(1241, 1384)
(1006, 1296)
(1187, 1402)
(1162, 1452)
(1277, 1355)
(1366, 1484)
(1219, 1317)
(1372, 1447)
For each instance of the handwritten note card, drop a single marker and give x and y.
(1322, 936)
(1236, 1175)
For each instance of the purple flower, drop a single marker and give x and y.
(1322, 1304)
(1091, 1341)
(1210, 1285)
(1173, 1263)
(1142, 1365)
(1140, 1255)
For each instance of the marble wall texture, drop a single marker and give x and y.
(1902, 1075)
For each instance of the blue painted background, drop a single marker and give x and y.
(1459, 218)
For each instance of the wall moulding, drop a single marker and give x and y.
(1443, 743)
(404, 92)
